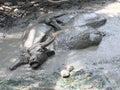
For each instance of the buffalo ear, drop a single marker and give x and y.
(50, 53)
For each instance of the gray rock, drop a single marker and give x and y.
(65, 73)
(69, 68)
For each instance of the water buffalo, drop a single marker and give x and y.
(74, 20)
(35, 56)
(77, 38)
(77, 33)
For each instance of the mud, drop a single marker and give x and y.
(105, 58)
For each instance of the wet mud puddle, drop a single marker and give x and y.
(105, 56)
(108, 48)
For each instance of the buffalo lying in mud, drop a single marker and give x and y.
(65, 21)
(76, 33)
(77, 38)
(35, 55)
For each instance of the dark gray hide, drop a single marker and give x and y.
(35, 55)
(39, 53)
(22, 60)
(89, 19)
(33, 50)
(35, 34)
(77, 38)
(39, 57)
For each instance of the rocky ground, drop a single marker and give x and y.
(95, 68)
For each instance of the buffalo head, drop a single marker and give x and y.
(39, 54)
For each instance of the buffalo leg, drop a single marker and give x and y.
(17, 64)
(22, 61)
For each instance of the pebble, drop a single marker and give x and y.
(69, 68)
(88, 86)
(88, 74)
(65, 73)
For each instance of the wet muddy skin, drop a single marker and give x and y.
(75, 19)
(77, 33)
(77, 38)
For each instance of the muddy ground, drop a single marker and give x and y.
(102, 61)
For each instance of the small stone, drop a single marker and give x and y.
(15, 10)
(88, 86)
(65, 73)
(36, 4)
(1, 8)
(88, 74)
(69, 68)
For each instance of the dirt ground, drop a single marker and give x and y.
(102, 61)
